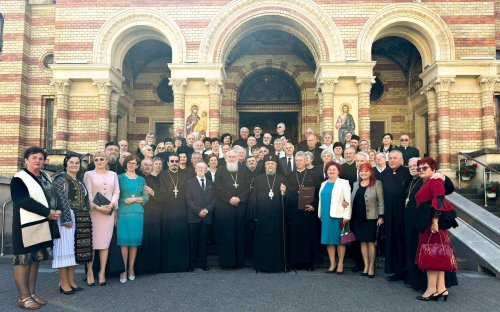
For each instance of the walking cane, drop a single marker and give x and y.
(283, 231)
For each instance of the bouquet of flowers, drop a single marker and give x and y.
(466, 170)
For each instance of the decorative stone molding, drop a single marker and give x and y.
(214, 86)
(112, 43)
(433, 33)
(487, 84)
(327, 85)
(306, 16)
(178, 85)
(104, 87)
(365, 84)
(442, 84)
(62, 86)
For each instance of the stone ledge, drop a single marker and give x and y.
(484, 151)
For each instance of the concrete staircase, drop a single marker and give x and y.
(476, 196)
(477, 239)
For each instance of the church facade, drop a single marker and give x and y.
(76, 74)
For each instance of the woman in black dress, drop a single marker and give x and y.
(367, 213)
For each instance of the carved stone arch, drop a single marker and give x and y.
(301, 18)
(416, 23)
(131, 26)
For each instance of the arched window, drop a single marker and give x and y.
(1, 32)
(269, 87)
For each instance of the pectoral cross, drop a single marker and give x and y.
(235, 184)
(176, 191)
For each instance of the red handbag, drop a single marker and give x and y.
(346, 236)
(437, 257)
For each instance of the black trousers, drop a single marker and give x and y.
(198, 233)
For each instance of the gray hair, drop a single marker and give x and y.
(309, 154)
(327, 151)
(367, 157)
(300, 154)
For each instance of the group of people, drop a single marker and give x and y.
(156, 209)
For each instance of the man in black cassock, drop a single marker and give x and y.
(251, 164)
(174, 221)
(231, 194)
(395, 181)
(269, 251)
(304, 227)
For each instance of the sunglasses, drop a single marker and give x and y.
(423, 168)
(173, 161)
(404, 140)
(98, 159)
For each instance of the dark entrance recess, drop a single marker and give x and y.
(377, 130)
(267, 98)
(268, 121)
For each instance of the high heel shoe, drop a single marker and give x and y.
(332, 271)
(69, 292)
(77, 288)
(445, 297)
(428, 298)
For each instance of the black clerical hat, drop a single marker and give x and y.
(271, 158)
(355, 137)
(168, 140)
(112, 143)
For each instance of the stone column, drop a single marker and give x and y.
(113, 114)
(104, 89)
(442, 87)
(327, 87)
(179, 89)
(320, 111)
(432, 121)
(62, 113)
(215, 90)
(364, 87)
(488, 125)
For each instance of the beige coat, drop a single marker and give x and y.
(374, 199)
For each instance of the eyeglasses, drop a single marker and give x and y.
(99, 159)
(149, 149)
(404, 140)
(132, 163)
(161, 146)
(174, 161)
(423, 168)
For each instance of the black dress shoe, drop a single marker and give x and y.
(364, 274)
(69, 292)
(102, 283)
(370, 276)
(205, 268)
(77, 288)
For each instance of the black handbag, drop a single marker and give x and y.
(101, 200)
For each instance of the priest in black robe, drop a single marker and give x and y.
(231, 195)
(250, 217)
(304, 225)
(269, 249)
(174, 238)
(148, 256)
(416, 278)
(395, 181)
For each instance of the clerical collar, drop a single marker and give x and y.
(300, 171)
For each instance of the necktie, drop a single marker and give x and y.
(289, 165)
(203, 184)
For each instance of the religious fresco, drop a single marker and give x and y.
(197, 118)
(345, 122)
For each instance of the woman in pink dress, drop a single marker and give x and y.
(105, 182)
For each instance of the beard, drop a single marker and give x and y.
(232, 167)
(112, 158)
(169, 149)
(271, 172)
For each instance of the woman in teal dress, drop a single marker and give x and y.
(130, 215)
(333, 209)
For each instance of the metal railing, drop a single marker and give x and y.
(3, 227)
(486, 172)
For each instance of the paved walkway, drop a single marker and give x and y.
(244, 290)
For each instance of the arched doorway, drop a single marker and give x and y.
(267, 98)
(146, 83)
(270, 79)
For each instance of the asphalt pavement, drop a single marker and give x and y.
(245, 290)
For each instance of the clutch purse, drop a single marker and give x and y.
(437, 257)
(346, 236)
(101, 200)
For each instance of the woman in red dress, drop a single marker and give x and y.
(430, 209)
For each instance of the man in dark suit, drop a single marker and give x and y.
(287, 163)
(201, 203)
(407, 150)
